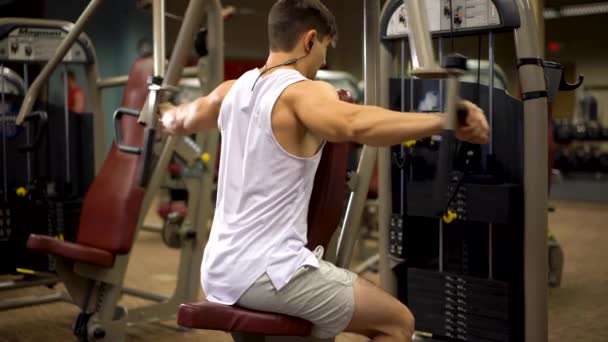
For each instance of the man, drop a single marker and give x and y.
(76, 100)
(274, 122)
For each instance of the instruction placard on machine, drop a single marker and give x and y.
(465, 14)
(30, 44)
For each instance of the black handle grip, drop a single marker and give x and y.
(146, 169)
(445, 164)
(461, 114)
(118, 114)
(43, 119)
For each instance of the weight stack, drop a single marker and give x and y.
(35, 215)
(460, 308)
(62, 221)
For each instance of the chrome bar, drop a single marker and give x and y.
(119, 81)
(351, 226)
(66, 124)
(388, 280)
(28, 154)
(22, 302)
(491, 88)
(4, 165)
(144, 294)
(535, 179)
(158, 33)
(111, 82)
(423, 56)
(20, 284)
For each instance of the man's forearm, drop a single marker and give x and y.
(380, 127)
(185, 118)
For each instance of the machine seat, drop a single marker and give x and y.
(165, 209)
(213, 316)
(69, 250)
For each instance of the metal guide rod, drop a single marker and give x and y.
(158, 34)
(388, 280)
(66, 124)
(28, 154)
(491, 142)
(4, 166)
(45, 73)
(491, 88)
(535, 178)
(350, 230)
(118, 81)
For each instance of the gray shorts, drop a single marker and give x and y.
(323, 296)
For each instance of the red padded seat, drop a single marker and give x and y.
(324, 213)
(111, 207)
(212, 316)
(168, 208)
(70, 250)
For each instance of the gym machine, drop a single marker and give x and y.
(500, 211)
(466, 249)
(93, 267)
(47, 163)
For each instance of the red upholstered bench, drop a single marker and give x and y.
(113, 201)
(325, 212)
(212, 316)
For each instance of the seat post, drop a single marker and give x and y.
(241, 337)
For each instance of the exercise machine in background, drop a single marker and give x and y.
(48, 161)
(93, 266)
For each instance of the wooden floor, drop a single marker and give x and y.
(578, 310)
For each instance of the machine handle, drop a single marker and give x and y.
(43, 119)
(445, 162)
(118, 114)
(146, 169)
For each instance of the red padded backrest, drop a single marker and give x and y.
(112, 205)
(328, 196)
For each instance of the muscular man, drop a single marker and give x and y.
(274, 122)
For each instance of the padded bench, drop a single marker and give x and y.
(112, 204)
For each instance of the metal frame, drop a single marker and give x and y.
(92, 70)
(99, 289)
(31, 95)
(535, 161)
(74, 31)
(109, 318)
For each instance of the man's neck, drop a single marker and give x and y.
(278, 58)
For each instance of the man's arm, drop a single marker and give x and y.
(198, 115)
(318, 107)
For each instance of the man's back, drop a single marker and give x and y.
(263, 192)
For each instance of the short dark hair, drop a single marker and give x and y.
(71, 74)
(288, 19)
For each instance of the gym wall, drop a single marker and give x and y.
(583, 46)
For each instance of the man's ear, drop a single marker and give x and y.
(309, 39)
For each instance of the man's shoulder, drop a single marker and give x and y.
(309, 88)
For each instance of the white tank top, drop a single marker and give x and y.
(260, 221)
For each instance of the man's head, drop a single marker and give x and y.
(71, 78)
(302, 27)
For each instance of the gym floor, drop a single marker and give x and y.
(577, 310)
